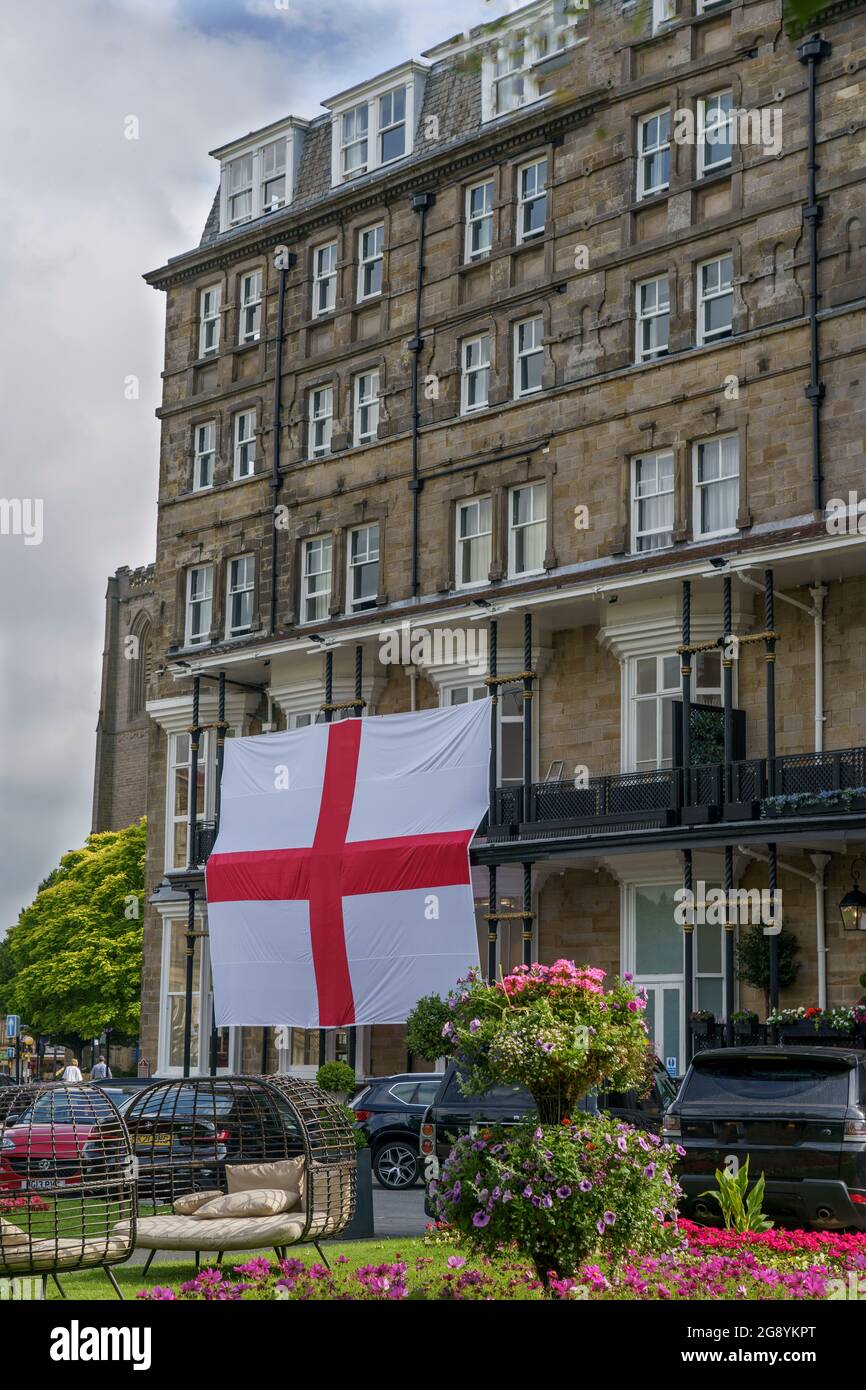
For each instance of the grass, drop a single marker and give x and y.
(91, 1285)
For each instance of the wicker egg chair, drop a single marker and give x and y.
(66, 1182)
(220, 1135)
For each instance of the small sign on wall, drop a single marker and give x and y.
(671, 1066)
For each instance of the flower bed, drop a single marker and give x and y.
(706, 1263)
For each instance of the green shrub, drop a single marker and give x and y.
(741, 1210)
(424, 1026)
(336, 1076)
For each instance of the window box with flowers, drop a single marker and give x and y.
(839, 1025)
(814, 803)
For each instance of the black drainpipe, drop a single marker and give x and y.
(285, 260)
(420, 204)
(811, 53)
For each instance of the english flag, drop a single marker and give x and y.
(339, 889)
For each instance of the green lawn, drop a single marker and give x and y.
(92, 1284)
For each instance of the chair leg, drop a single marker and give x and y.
(219, 1259)
(44, 1283)
(197, 1260)
(60, 1288)
(117, 1289)
(322, 1253)
(148, 1261)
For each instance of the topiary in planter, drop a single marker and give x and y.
(336, 1077)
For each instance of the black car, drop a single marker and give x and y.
(453, 1113)
(797, 1113)
(389, 1110)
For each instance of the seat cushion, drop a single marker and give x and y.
(258, 1201)
(229, 1233)
(10, 1234)
(64, 1253)
(286, 1174)
(185, 1206)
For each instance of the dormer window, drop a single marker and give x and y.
(511, 83)
(258, 174)
(373, 124)
(510, 77)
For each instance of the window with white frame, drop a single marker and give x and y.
(321, 421)
(245, 443)
(239, 174)
(656, 683)
(702, 6)
(531, 200)
(528, 356)
(362, 580)
(663, 12)
(652, 501)
(366, 407)
(513, 85)
(250, 319)
(715, 299)
(174, 997)
(509, 725)
(714, 132)
(240, 595)
(210, 301)
(324, 279)
(479, 220)
(392, 125)
(354, 141)
(475, 373)
(316, 580)
(273, 175)
(178, 789)
(527, 529)
(204, 454)
(653, 153)
(653, 314)
(474, 541)
(716, 501)
(199, 605)
(371, 254)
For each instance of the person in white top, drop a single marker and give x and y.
(72, 1072)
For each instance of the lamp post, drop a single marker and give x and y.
(852, 908)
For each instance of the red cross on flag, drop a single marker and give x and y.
(339, 889)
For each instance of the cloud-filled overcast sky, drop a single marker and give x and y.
(84, 212)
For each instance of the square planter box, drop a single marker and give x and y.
(813, 808)
(742, 810)
(702, 1027)
(699, 815)
(806, 1033)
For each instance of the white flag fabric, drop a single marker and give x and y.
(339, 887)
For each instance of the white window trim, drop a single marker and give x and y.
(465, 374)
(199, 454)
(640, 356)
(700, 335)
(534, 52)
(703, 168)
(175, 917)
(382, 127)
(524, 237)
(460, 541)
(520, 395)
(410, 75)
(663, 12)
(363, 261)
(237, 444)
(469, 255)
(232, 632)
(318, 279)
(293, 133)
(369, 606)
(312, 451)
(697, 487)
(187, 625)
(635, 501)
(371, 403)
(215, 317)
(326, 594)
(254, 278)
(643, 191)
(513, 572)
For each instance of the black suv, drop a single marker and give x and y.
(389, 1110)
(797, 1113)
(453, 1113)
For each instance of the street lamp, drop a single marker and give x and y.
(852, 908)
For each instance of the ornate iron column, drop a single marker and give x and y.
(528, 674)
(191, 859)
(770, 659)
(352, 1038)
(773, 940)
(730, 927)
(492, 922)
(329, 713)
(688, 956)
(686, 674)
(727, 687)
(220, 757)
(492, 918)
(528, 915)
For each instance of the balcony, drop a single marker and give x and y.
(792, 786)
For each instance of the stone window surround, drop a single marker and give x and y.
(343, 517)
(504, 243)
(229, 282)
(478, 483)
(222, 413)
(230, 548)
(341, 381)
(729, 418)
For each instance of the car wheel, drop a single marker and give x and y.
(395, 1164)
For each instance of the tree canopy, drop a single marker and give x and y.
(72, 963)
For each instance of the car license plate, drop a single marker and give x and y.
(40, 1184)
(155, 1140)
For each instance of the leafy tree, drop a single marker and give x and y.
(753, 960)
(424, 1028)
(71, 966)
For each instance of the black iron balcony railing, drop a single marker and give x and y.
(744, 790)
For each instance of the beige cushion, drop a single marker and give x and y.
(232, 1233)
(11, 1234)
(287, 1174)
(185, 1206)
(64, 1253)
(259, 1201)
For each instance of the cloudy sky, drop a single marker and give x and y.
(84, 212)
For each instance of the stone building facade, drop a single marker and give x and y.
(528, 327)
(123, 727)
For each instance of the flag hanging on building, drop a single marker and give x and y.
(339, 889)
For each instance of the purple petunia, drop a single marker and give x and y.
(563, 1191)
(585, 1185)
(481, 1218)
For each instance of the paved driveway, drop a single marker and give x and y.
(399, 1213)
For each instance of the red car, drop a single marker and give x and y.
(42, 1146)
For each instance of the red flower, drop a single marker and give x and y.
(565, 1120)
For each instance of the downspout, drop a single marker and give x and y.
(811, 53)
(420, 204)
(819, 593)
(284, 260)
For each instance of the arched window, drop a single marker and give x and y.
(138, 649)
